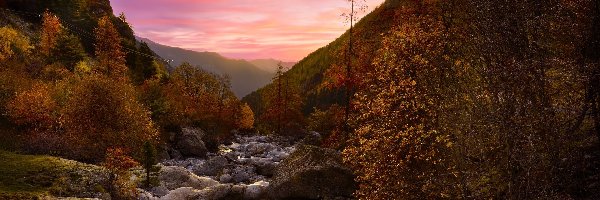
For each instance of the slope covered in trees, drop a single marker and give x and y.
(67, 100)
(309, 73)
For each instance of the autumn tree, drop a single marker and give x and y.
(349, 55)
(397, 148)
(194, 97)
(245, 118)
(109, 51)
(101, 114)
(118, 161)
(51, 31)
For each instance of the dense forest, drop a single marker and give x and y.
(420, 99)
(457, 99)
(75, 83)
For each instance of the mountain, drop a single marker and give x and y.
(270, 65)
(309, 72)
(245, 77)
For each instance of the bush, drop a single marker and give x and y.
(102, 113)
(118, 161)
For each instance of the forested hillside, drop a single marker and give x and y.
(75, 83)
(456, 99)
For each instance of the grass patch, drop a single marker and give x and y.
(28, 176)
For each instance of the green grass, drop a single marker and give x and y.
(28, 176)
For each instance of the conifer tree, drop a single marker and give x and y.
(109, 52)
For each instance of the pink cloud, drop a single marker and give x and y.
(281, 29)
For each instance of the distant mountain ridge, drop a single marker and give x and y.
(245, 76)
(270, 65)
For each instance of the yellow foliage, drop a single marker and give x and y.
(396, 149)
(246, 118)
(11, 43)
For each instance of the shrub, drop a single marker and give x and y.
(102, 113)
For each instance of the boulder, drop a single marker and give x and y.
(162, 154)
(256, 148)
(216, 192)
(265, 167)
(182, 193)
(255, 190)
(159, 191)
(242, 173)
(174, 154)
(189, 143)
(225, 178)
(144, 195)
(173, 177)
(211, 167)
(312, 172)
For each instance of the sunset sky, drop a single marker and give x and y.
(287, 30)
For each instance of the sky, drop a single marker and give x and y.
(286, 30)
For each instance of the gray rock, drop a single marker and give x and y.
(84, 180)
(255, 148)
(216, 192)
(144, 195)
(255, 190)
(172, 136)
(312, 173)
(242, 173)
(265, 167)
(162, 153)
(182, 193)
(238, 190)
(225, 178)
(174, 154)
(159, 191)
(189, 143)
(211, 167)
(173, 177)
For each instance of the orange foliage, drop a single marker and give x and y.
(102, 113)
(34, 107)
(109, 51)
(201, 97)
(246, 117)
(51, 29)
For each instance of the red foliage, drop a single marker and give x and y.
(118, 160)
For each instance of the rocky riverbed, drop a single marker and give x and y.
(246, 169)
